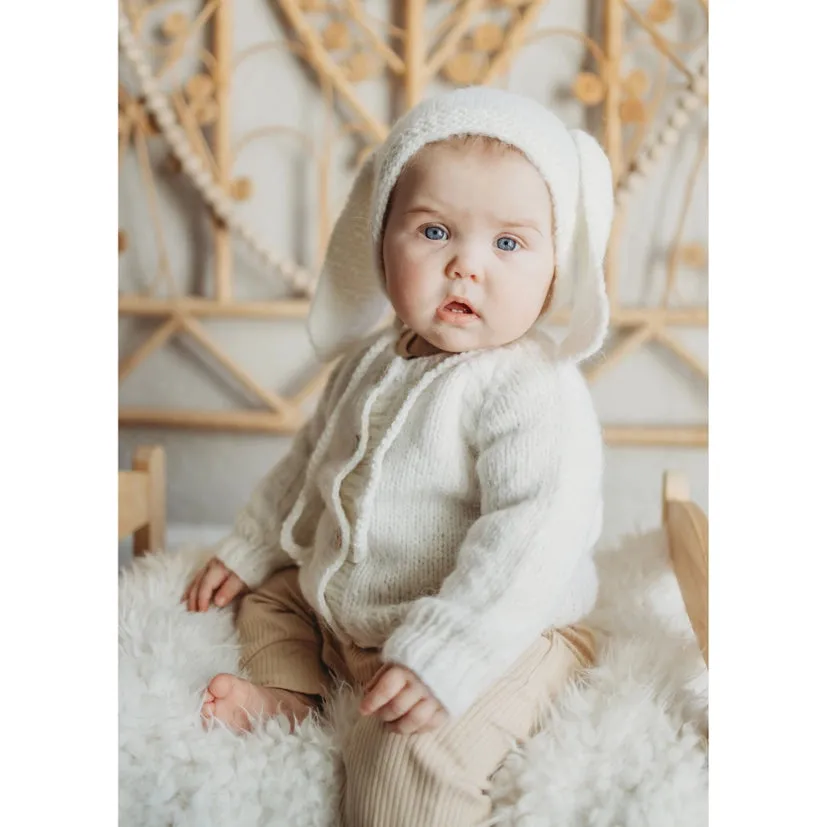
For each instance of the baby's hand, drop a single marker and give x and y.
(216, 583)
(398, 697)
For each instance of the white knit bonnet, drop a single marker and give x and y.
(350, 300)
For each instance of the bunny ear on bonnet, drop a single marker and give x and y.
(595, 209)
(348, 302)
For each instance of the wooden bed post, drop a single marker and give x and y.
(151, 537)
(687, 530)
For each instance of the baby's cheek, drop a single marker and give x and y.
(514, 311)
(401, 291)
(409, 274)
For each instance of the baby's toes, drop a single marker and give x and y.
(220, 686)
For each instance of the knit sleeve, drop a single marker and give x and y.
(539, 468)
(253, 550)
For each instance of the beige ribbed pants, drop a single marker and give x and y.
(434, 779)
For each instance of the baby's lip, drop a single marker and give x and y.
(458, 300)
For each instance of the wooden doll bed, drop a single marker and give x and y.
(142, 500)
(142, 513)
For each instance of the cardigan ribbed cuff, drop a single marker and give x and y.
(252, 564)
(455, 670)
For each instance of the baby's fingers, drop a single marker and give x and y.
(214, 577)
(425, 716)
(231, 588)
(188, 590)
(401, 705)
(379, 672)
(389, 685)
(192, 591)
(439, 719)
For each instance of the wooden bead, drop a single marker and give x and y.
(463, 68)
(215, 196)
(174, 25)
(644, 164)
(241, 189)
(202, 176)
(669, 136)
(679, 119)
(699, 85)
(487, 38)
(199, 87)
(360, 66)
(660, 11)
(693, 255)
(636, 83)
(206, 113)
(166, 118)
(123, 240)
(336, 36)
(632, 110)
(589, 88)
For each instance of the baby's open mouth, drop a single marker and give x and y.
(457, 311)
(458, 307)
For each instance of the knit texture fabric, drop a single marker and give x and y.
(442, 508)
(349, 300)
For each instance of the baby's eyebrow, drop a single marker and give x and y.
(422, 208)
(521, 223)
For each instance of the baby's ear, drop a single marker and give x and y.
(348, 302)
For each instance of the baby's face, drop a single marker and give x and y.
(468, 250)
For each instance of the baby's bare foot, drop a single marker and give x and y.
(238, 703)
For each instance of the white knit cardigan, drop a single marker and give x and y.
(476, 516)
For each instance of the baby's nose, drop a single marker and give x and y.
(463, 268)
(462, 273)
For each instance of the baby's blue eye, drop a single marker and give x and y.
(435, 233)
(507, 244)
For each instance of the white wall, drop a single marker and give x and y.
(210, 474)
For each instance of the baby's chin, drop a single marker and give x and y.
(457, 340)
(476, 337)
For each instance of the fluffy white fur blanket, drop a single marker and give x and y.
(626, 749)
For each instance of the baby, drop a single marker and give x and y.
(428, 538)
